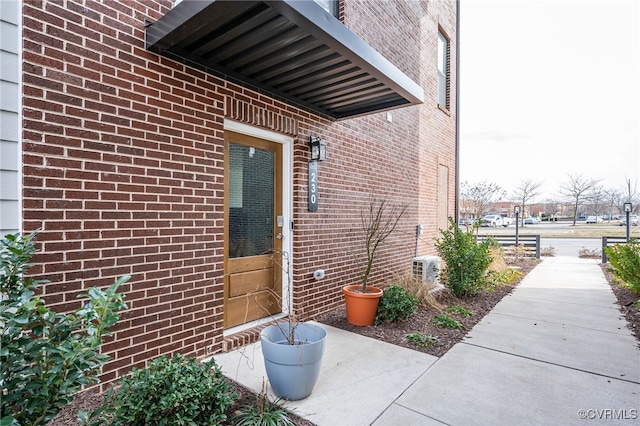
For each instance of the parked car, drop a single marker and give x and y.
(531, 220)
(506, 221)
(492, 220)
(594, 219)
(634, 220)
(469, 222)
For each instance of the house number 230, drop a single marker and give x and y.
(313, 186)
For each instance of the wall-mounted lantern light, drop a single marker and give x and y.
(318, 148)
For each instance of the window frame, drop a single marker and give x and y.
(333, 7)
(446, 61)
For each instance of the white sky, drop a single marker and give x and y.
(547, 89)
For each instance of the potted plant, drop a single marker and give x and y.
(378, 222)
(292, 352)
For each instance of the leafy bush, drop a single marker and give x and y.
(396, 304)
(459, 310)
(625, 262)
(445, 321)
(263, 413)
(466, 260)
(171, 391)
(46, 357)
(499, 272)
(496, 279)
(423, 292)
(423, 340)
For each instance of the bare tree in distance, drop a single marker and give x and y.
(552, 206)
(597, 198)
(630, 194)
(612, 199)
(476, 197)
(525, 191)
(576, 189)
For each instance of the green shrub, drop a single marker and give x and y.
(625, 262)
(396, 304)
(459, 310)
(496, 279)
(423, 340)
(263, 413)
(445, 321)
(466, 261)
(171, 391)
(46, 357)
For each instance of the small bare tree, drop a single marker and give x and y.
(612, 200)
(378, 222)
(551, 205)
(476, 197)
(630, 194)
(575, 190)
(526, 191)
(597, 198)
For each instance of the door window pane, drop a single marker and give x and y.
(251, 201)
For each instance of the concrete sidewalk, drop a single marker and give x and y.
(554, 352)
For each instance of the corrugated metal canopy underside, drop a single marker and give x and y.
(292, 50)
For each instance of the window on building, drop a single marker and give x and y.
(330, 6)
(443, 70)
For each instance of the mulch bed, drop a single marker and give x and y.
(396, 334)
(91, 399)
(420, 322)
(626, 302)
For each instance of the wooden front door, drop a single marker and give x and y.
(253, 229)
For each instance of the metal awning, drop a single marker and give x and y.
(292, 50)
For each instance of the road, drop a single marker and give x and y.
(570, 246)
(566, 239)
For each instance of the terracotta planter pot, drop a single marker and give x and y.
(361, 307)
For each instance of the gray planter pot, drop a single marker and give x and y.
(293, 370)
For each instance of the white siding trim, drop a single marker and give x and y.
(10, 117)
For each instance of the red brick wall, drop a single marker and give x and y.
(123, 169)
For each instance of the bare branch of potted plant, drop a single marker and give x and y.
(379, 221)
(292, 350)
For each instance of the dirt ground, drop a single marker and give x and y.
(480, 305)
(396, 334)
(626, 299)
(420, 322)
(92, 399)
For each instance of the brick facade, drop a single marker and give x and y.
(123, 168)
